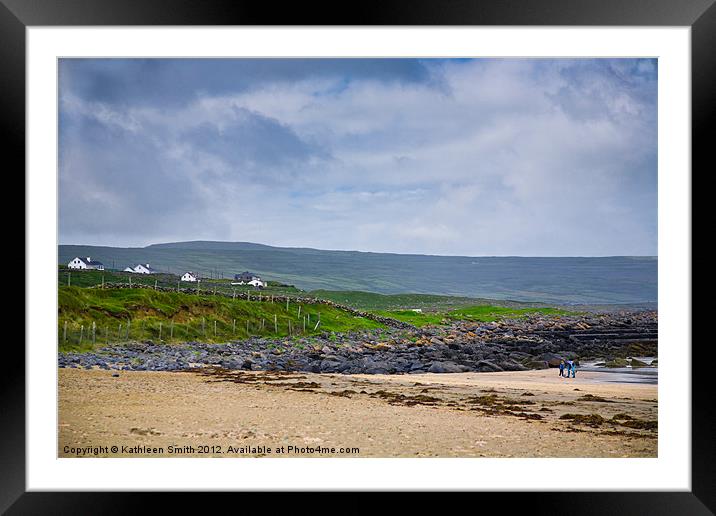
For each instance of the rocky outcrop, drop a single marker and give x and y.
(535, 342)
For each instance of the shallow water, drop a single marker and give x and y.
(647, 375)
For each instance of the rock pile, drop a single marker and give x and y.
(535, 342)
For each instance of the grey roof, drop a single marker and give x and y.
(87, 260)
(145, 265)
(245, 275)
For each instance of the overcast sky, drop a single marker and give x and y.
(531, 157)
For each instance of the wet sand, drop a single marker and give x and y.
(219, 413)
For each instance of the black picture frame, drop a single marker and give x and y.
(16, 15)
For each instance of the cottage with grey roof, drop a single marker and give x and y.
(248, 278)
(141, 268)
(85, 263)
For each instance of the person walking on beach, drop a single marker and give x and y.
(573, 368)
(561, 368)
(570, 364)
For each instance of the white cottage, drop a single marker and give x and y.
(85, 263)
(248, 278)
(190, 276)
(142, 268)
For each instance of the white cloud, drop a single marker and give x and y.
(528, 157)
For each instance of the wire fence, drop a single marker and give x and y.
(293, 321)
(90, 333)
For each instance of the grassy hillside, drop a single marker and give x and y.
(577, 280)
(136, 314)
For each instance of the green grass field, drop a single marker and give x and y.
(482, 313)
(121, 315)
(373, 301)
(435, 309)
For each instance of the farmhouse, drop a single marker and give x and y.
(248, 278)
(85, 263)
(142, 268)
(245, 277)
(190, 276)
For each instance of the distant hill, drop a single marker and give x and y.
(601, 280)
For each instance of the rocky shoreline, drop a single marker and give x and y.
(534, 342)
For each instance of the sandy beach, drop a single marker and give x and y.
(243, 414)
(219, 413)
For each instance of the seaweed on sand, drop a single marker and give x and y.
(494, 405)
(591, 397)
(593, 420)
(401, 399)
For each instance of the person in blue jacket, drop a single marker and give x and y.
(561, 368)
(572, 368)
(569, 368)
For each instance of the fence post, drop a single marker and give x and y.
(233, 327)
(94, 333)
(119, 332)
(299, 311)
(155, 284)
(287, 304)
(160, 332)
(275, 324)
(214, 328)
(64, 333)
(304, 324)
(289, 326)
(82, 331)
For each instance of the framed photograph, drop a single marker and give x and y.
(415, 249)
